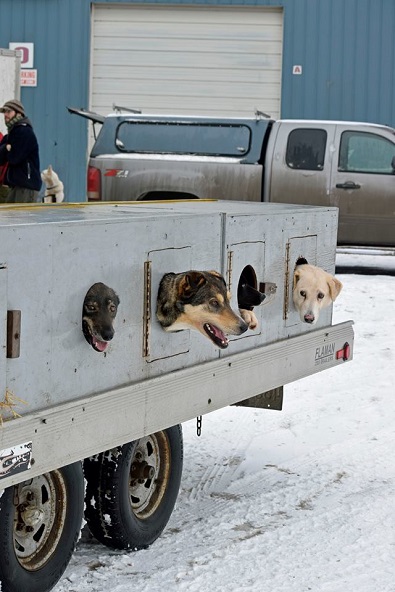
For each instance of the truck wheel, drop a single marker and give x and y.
(40, 522)
(131, 489)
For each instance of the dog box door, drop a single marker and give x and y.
(158, 343)
(248, 256)
(298, 249)
(3, 329)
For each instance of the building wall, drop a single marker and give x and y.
(212, 60)
(345, 47)
(60, 32)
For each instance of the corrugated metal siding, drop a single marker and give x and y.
(60, 32)
(183, 59)
(346, 49)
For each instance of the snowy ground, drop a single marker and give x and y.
(293, 501)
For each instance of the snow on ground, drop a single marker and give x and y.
(293, 501)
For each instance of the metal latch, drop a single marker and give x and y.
(269, 289)
(13, 333)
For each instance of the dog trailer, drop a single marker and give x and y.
(112, 413)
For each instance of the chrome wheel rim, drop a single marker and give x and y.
(149, 474)
(40, 512)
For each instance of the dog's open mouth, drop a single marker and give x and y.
(216, 335)
(96, 343)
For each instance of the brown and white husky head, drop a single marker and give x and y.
(198, 300)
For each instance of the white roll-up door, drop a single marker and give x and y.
(178, 59)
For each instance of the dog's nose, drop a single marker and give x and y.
(107, 334)
(243, 327)
(309, 318)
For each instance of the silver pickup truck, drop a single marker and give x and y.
(327, 163)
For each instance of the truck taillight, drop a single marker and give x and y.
(94, 184)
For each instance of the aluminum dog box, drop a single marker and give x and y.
(51, 255)
(62, 401)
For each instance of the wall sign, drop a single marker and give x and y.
(27, 52)
(29, 77)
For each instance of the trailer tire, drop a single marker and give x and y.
(132, 489)
(40, 522)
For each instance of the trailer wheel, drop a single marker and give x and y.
(131, 489)
(40, 522)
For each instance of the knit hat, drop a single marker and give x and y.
(15, 105)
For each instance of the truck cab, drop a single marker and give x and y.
(348, 165)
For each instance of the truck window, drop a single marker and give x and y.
(364, 152)
(306, 149)
(183, 138)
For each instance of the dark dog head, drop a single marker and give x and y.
(248, 297)
(198, 300)
(98, 313)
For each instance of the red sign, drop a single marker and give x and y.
(28, 77)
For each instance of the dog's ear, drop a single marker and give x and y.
(49, 168)
(216, 273)
(335, 287)
(190, 284)
(296, 277)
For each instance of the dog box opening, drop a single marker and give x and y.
(301, 261)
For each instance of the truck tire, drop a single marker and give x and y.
(40, 522)
(131, 490)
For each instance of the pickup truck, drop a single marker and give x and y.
(348, 165)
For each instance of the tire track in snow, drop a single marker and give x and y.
(225, 461)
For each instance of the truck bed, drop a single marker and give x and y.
(75, 401)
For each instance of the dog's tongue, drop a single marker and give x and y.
(101, 346)
(216, 335)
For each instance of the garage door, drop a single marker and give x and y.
(206, 61)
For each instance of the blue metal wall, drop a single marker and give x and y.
(346, 49)
(60, 31)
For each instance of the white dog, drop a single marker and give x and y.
(53, 186)
(313, 290)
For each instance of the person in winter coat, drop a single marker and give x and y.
(19, 148)
(3, 188)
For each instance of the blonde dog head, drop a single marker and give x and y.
(313, 289)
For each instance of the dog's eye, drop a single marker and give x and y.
(320, 295)
(214, 303)
(90, 307)
(112, 308)
(303, 293)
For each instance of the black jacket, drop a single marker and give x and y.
(23, 158)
